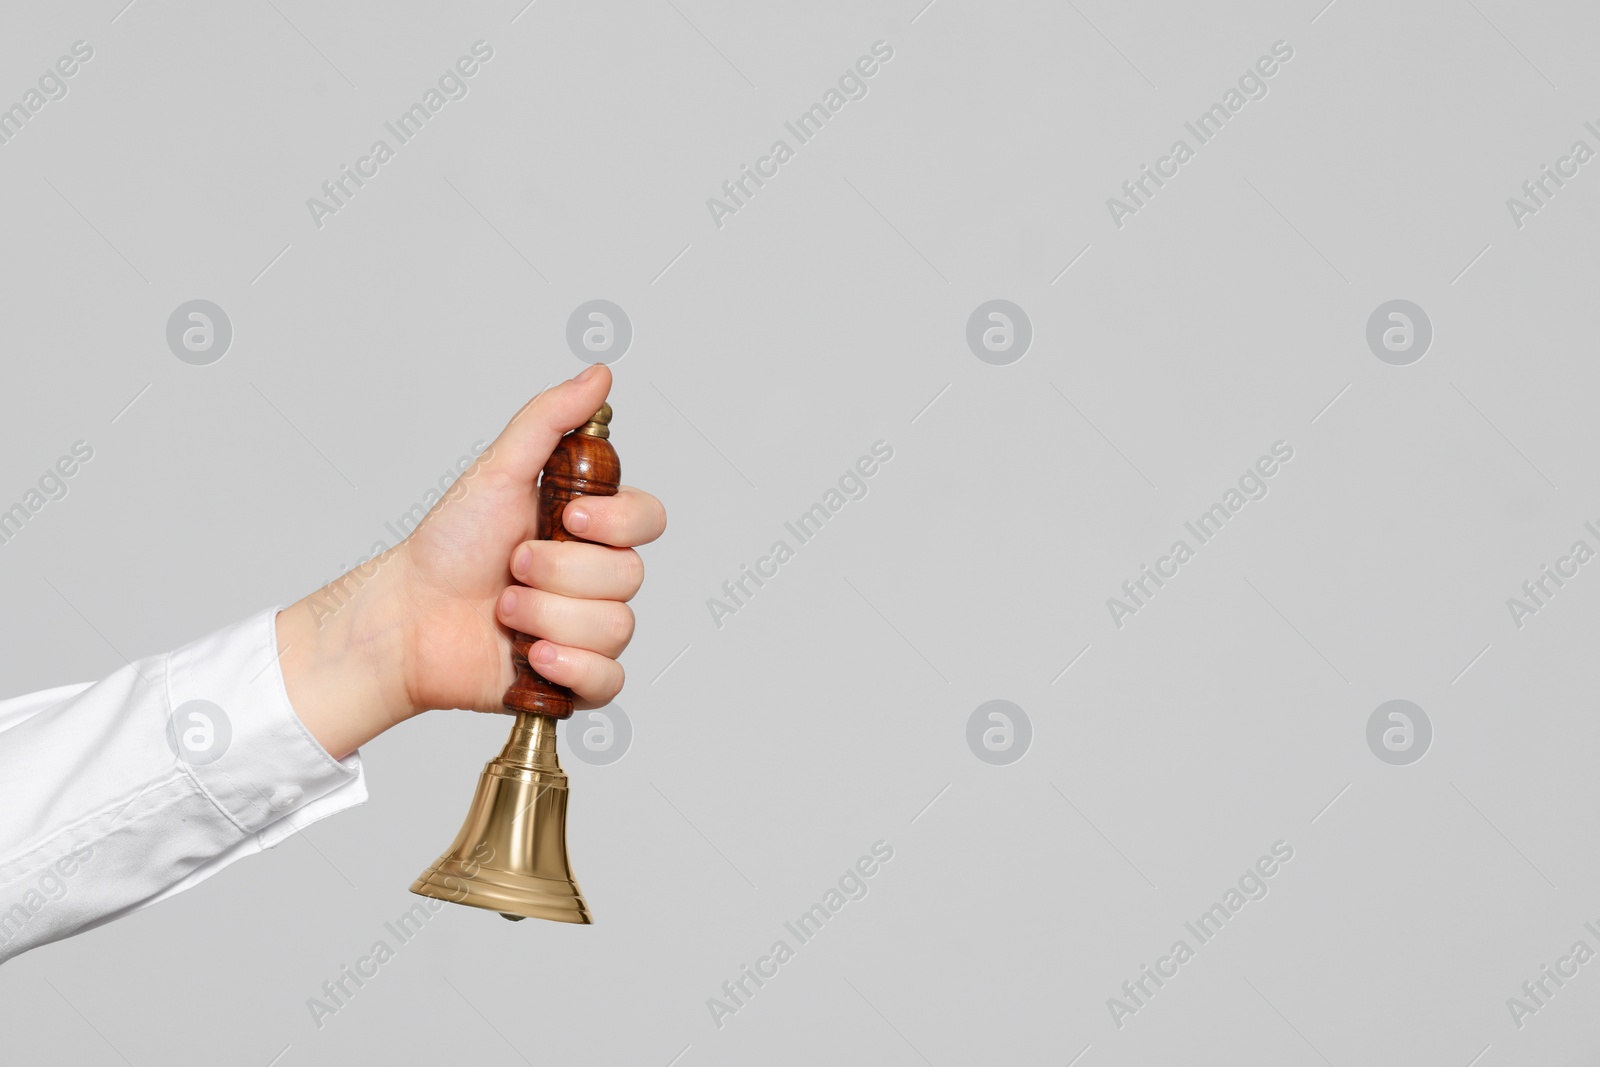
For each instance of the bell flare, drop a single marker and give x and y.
(511, 853)
(512, 896)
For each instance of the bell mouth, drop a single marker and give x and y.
(515, 896)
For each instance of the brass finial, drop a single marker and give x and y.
(599, 424)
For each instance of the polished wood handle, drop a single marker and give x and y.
(583, 464)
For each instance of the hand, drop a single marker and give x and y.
(427, 624)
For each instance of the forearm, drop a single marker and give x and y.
(127, 791)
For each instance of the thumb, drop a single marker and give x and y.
(526, 443)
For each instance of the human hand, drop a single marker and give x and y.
(431, 627)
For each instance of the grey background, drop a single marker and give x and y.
(767, 356)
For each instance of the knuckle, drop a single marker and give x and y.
(547, 614)
(630, 570)
(611, 519)
(496, 479)
(620, 624)
(615, 681)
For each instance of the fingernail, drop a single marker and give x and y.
(508, 602)
(544, 653)
(594, 368)
(577, 519)
(522, 562)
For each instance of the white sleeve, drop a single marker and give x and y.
(121, 793)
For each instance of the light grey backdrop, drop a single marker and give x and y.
(1168, 354)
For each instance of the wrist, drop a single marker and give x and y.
(342, 652)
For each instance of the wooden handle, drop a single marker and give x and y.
(583, 464)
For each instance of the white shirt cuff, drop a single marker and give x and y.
(240, 738)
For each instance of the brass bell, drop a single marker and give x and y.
(511, 853)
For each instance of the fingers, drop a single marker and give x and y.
(601, 626)
(595, 679)
(632, 517)
(576, 569)
(579, 638)
(525, 444)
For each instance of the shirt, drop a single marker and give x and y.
(120, 793)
